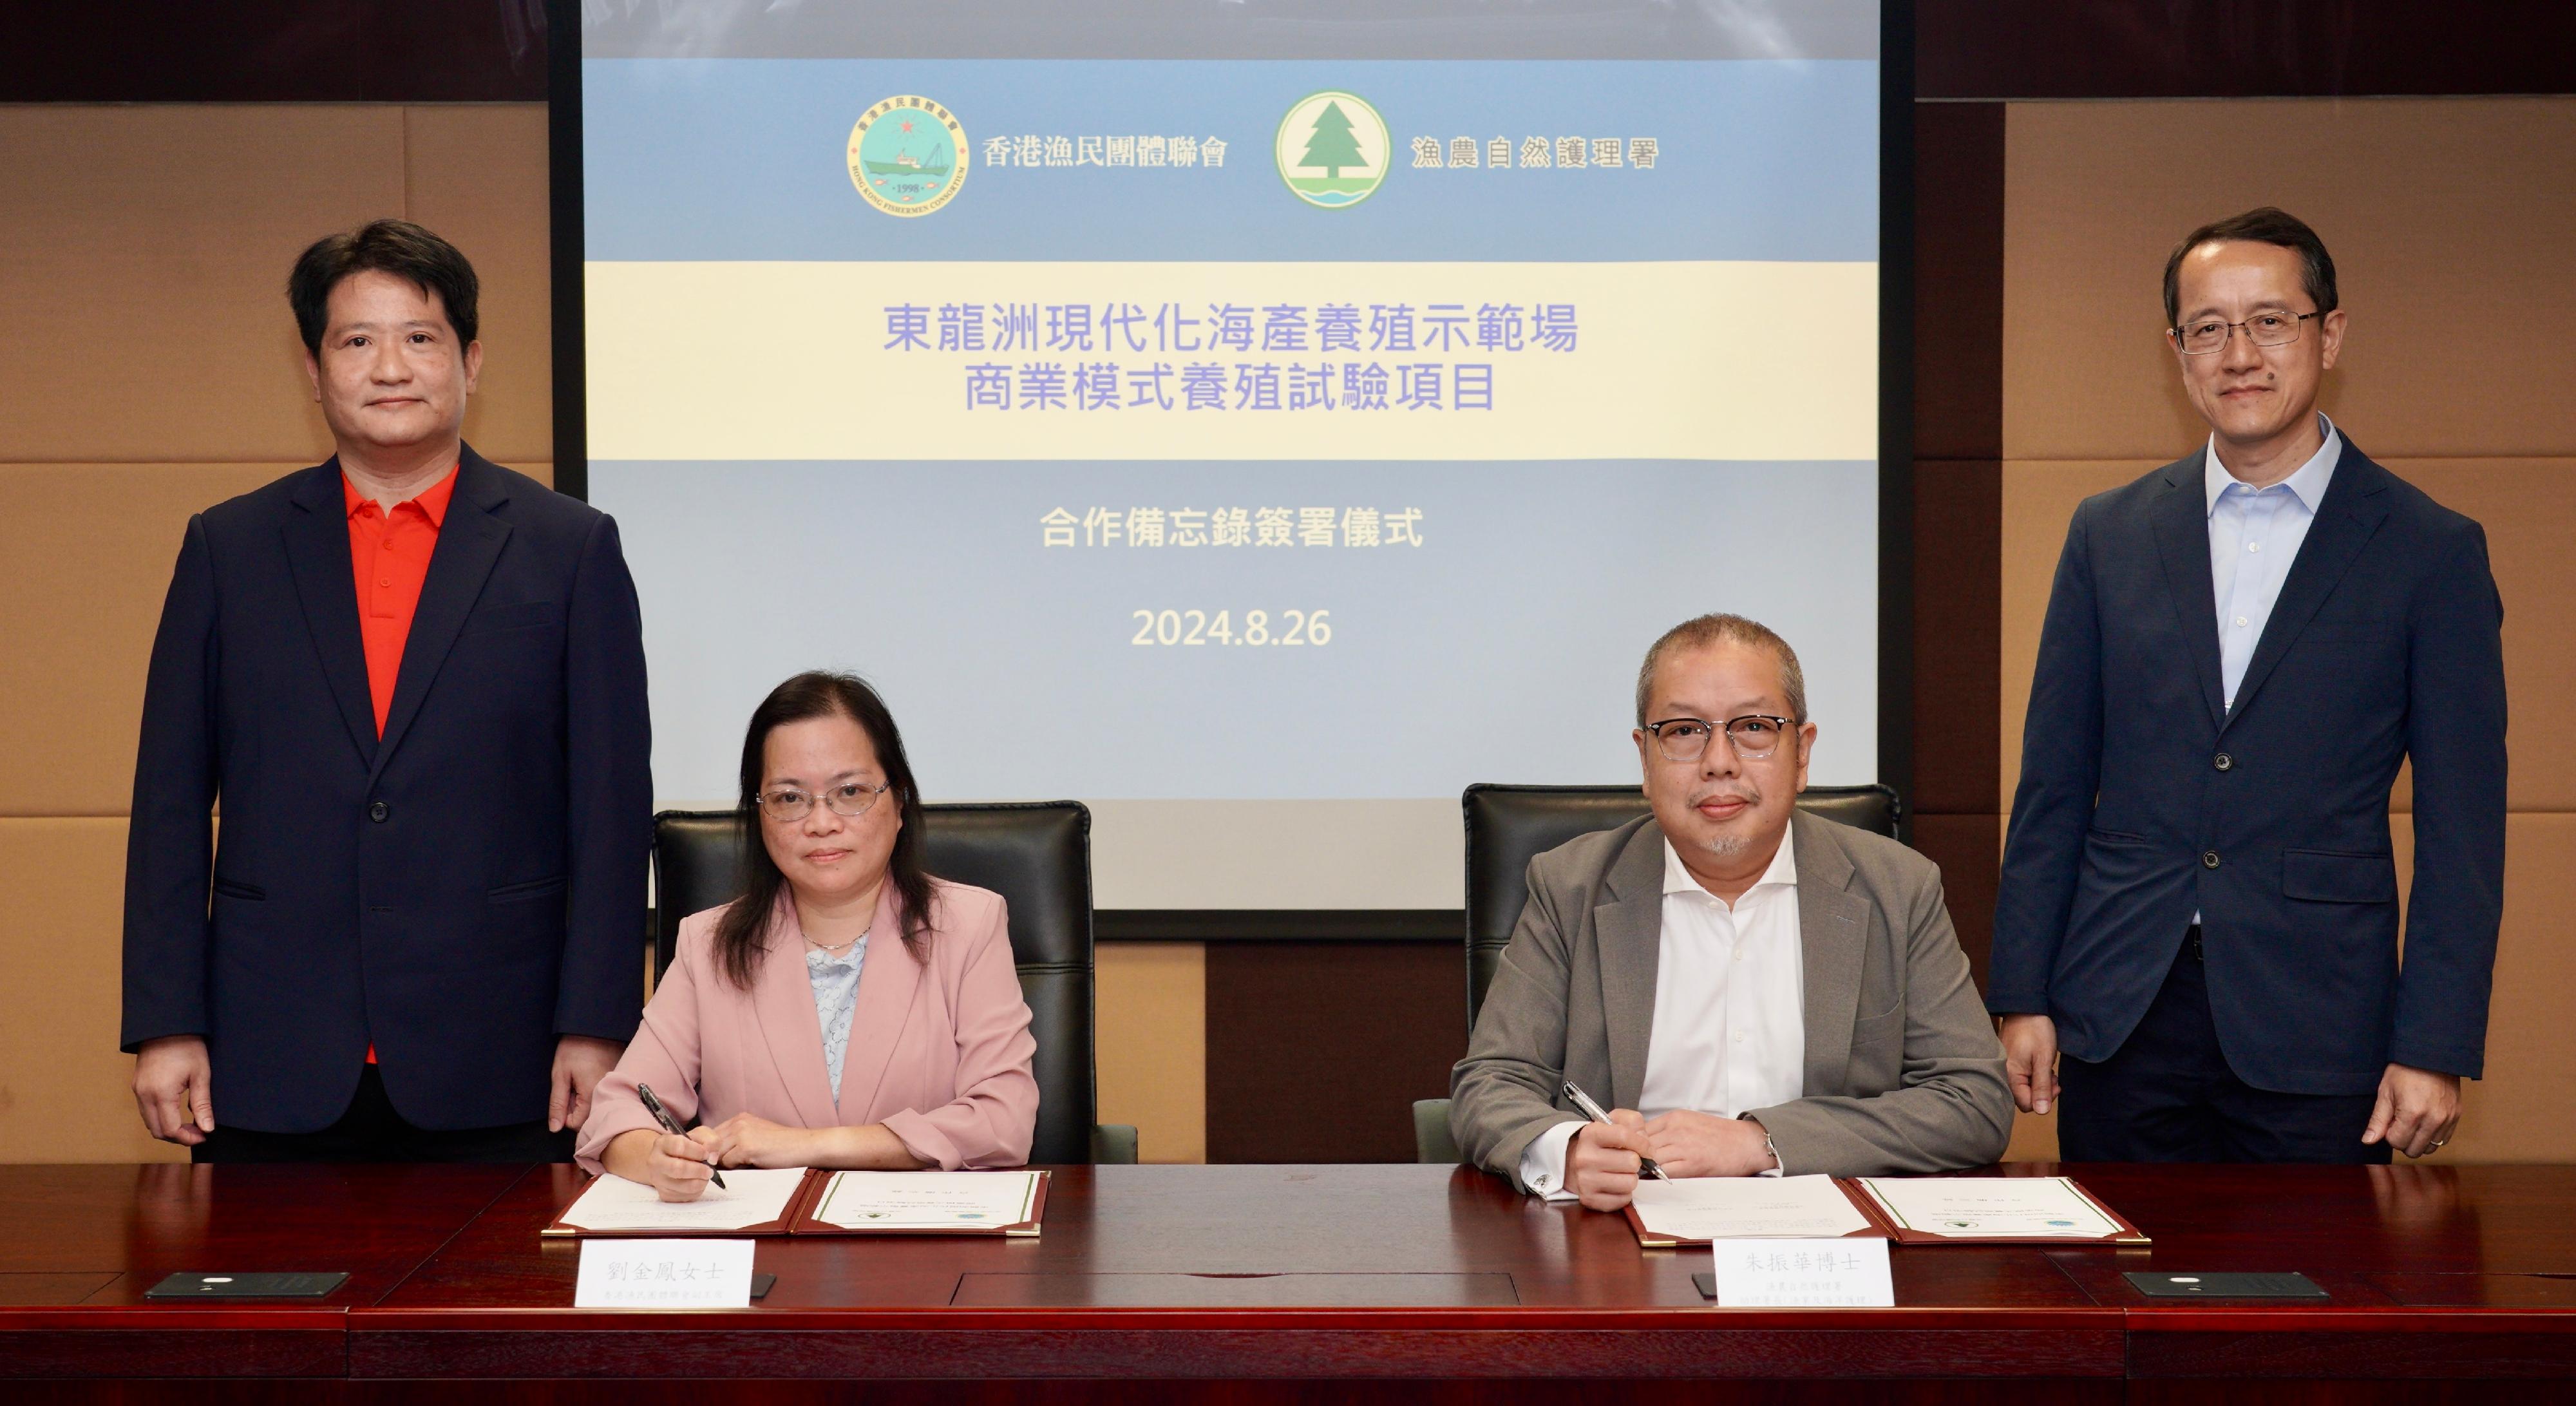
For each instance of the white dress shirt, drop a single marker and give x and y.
(2254, 535)
(1730, 1031)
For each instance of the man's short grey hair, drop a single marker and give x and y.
(1704, 630)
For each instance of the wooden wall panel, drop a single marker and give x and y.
(2523, 1110)
(2038, 502)
(2435, 210)
(89, 549)
(1317, 1050)
(1152, 1045)
(477, 175)
(143, 262)
(65, 1092)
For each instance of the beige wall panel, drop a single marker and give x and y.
(89, 549)
(143, 261)
(476, 173)
(2525, 1108)
(65, 1090)
(1152, 1045)
(2528, 507)
(2433, 208)
(2038, 501)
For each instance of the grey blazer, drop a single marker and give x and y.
(1903, 1071)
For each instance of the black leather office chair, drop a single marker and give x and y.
(1038, 857)
(1508, 826)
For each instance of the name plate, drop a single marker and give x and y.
(1804, 1274)
(664, 1274)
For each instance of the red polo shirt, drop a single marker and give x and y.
(389, 555)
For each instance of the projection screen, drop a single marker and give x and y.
(1259, 422)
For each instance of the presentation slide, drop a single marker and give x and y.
(1260, 431)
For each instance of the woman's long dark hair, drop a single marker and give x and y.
(742, 933)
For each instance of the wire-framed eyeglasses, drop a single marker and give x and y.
(1753, 736)
(848, 799)
(2208, 336)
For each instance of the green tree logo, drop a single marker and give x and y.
(1332, 149)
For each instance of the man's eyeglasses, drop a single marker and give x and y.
(850, 799)
(1753, 736)
(2264, 329)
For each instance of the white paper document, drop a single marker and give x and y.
(1980, 1208)
(1805, 1274)
(928, 1200)
(750, 1196)
(664, 1274)
(1735, 1208)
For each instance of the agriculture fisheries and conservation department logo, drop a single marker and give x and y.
(1332, 149)
(907, 156)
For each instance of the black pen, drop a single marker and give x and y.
(662, 1115)
(1645, 1165)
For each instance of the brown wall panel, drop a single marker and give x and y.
(1958, 509)
(65, 1092)
(477, 175)
(1152, 1045)
(2432, 208)
(2038, 500)
(1316, 1050)
(2524, 1110)
(1958, 280)
(1968, 851)
(89, 549)
(143, 261)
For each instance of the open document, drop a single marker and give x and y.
(1995, 1208)
(1695, 1209)
(935, 1202)
(752, 1199)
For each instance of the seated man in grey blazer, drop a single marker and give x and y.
(1756, 992)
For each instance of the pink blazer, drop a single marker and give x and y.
(939, 1051)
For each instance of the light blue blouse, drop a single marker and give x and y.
(836, 993)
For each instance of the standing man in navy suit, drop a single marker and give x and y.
(2199, 902)
(414, 682)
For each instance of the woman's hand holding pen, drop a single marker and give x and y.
(677, 1164)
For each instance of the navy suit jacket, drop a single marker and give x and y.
(461, 892)
(2144, 799)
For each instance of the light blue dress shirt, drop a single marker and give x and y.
(836, 994)
(2254, 535)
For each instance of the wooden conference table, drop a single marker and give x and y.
(1243, 1283)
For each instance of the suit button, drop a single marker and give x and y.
(2209, 859)
(2222, 761)
(380, 810)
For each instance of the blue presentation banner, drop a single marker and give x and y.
(741, 159)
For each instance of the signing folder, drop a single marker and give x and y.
(1699, 1210)
(1995, 1210)
(816, 1201)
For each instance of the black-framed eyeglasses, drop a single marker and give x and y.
(1753, 736)
(848, 799)
(2208, 335)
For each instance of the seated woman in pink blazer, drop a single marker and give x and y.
(849, 1010)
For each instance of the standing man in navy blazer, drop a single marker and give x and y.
(414, 681)
(2199, 902)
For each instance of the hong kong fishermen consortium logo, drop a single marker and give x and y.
(1332, 149)
(907, 155)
